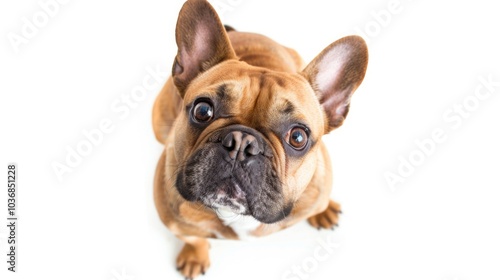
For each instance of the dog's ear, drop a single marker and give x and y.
(335, 74)
(201, 40)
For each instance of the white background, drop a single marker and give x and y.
(442, 222)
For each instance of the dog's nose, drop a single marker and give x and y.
(241, 145)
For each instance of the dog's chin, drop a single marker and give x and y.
(232, 206)
(230, 209)
(243, 188)
(220, 201)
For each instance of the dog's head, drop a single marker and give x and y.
(247, 137)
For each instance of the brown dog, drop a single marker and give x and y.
(242, 120)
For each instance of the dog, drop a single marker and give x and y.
(242, 119)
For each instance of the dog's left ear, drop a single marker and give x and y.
(335, 74)
(201, 40)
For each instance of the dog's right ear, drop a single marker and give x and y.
(201, 40)
(335, 74)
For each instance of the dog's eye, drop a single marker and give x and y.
(297, 138)
(203, 112)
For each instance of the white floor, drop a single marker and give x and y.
(427, 61)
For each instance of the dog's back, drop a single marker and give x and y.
(261, 51)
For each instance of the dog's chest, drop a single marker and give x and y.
(243, 226)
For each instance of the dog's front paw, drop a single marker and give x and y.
(328, 218)
(193, 261)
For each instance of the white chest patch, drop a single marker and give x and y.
(241, 225)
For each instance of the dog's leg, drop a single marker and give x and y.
(193, 259)
(328, 218)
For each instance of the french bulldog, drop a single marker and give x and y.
(242, 119)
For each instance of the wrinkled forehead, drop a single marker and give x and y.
(260, 97)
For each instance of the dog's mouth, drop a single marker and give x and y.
(228, 198)
(240, 187)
